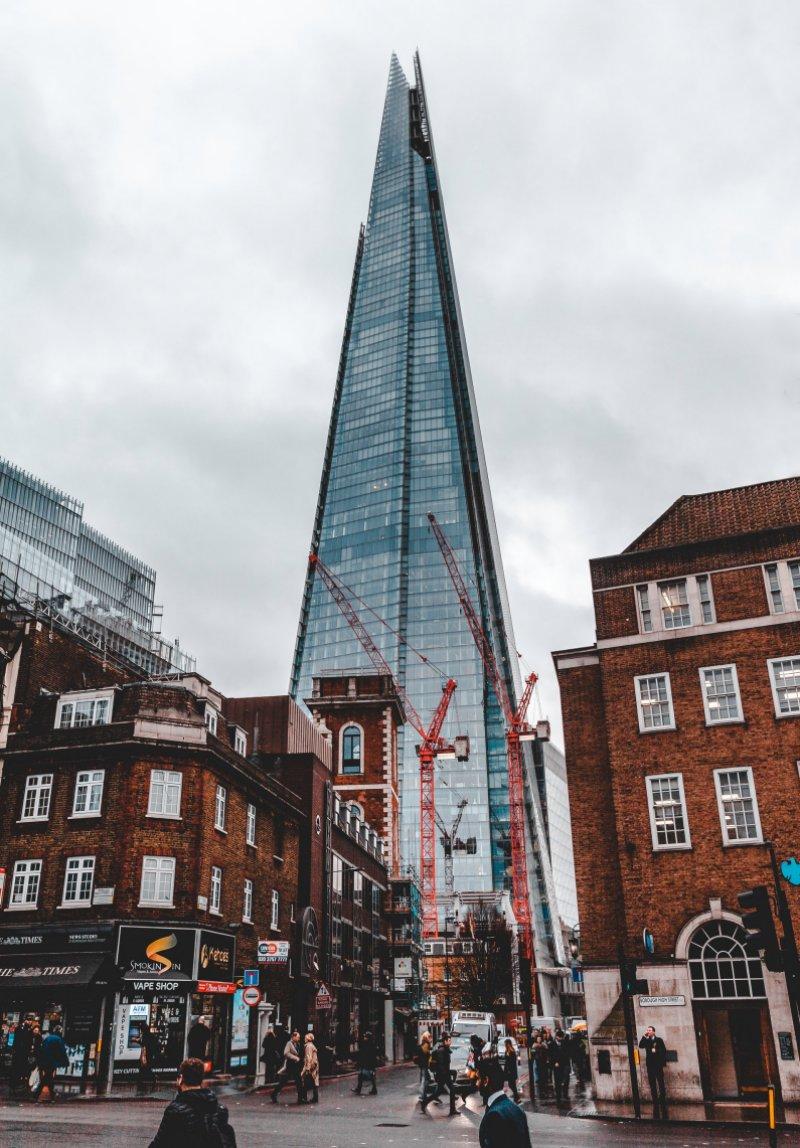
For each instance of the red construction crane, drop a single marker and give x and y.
(432, 745)
(516, 729)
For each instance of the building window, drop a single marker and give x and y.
(645, 613)
(25, 885)
(240, 742)
(654, 702)
(73, 712)
(291, 912)
(220, 804)
(785, 678)
(274, 909)
(668, 821)
(250, 831)
(36, 798)
(351, 749)
(721, 699)
(738, 811)
(215, 900)
(704, 596)
(78, 881)
(774, 588)
(719, 965)
(674, 600)
(88, 793)
(158, 881)
(165, 793)
(794, 574)
(211, 720)
(247, 904)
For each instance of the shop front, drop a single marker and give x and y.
(58, 976)
(177, 989)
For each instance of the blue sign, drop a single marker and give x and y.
(251, 977)
(649, 941)
(790, 871)
(577, 975)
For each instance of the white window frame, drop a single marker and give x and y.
(644, 604)
(250, 825)
(759, 839)
(786, 588)
(167, 783)
(211, 717)
(695, 586)
(220, 808)
(40, 785)
(658, 847)
(665, 583)
(29, 875)
(351, 725)
(215, 891)
(70, 702)
(639, 710)
(649, 591)
(771, 664)
(275, 911)
(247, 901)
(164, 866)
(710, 720)
(240, 742)
(80, 866)
(92, 778)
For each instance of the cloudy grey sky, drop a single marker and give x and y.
(181, 193)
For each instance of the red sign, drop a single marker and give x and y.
(251, 996)
(323, 1000)
(215, 987)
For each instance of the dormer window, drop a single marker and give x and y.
(240, 742)
(351, 756)
(211, 720)
(83, 709)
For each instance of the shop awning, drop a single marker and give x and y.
(49, 970)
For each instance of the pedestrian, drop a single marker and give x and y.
(367, 1064)
(541, 1061)
(148, 1053)
(197, 1040)
(560, 1065)
(270, 1055)
(440, 1067)
(195, 1116)
(52, 1056)
(477, 1047)
(422, 1058)
(289, 1072)
(655, 1054)
(310, 1069)
(512, 1069)
(504, 1124)
(21, 1050)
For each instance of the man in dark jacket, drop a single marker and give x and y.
(289, 1072)
(440, 1066)
(52, 1056)
(21, 1052)
(560, 1064)
(655, 1052)
(197, 1040)
(367, 1063)
(195, 1117)
(504, 1124)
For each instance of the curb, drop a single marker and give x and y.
(756, 1125)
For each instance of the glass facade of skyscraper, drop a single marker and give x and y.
(404, 440)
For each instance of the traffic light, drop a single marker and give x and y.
(629, 978)
(762, 938)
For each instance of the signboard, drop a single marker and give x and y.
(323, 998)
(55, 939)
(309, 944)
(240, 1023)
(140, 988)
(227, 987)
(273, 952)
(402, 967)
(786, 1046)
(103, 895)
(216, 956)
(156, 951)
(251, 996)
(251, 977)
(661, 1002)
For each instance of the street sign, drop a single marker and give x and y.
(251, 977)
(323, 1000)
(661, 1002)
(273, 952)
(251, 996)
(649, 941)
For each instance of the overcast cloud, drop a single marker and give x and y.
(182, 185)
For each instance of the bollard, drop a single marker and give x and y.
(773, 1134)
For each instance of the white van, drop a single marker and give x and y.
(465, 1025)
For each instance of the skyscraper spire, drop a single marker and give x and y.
(404, 440)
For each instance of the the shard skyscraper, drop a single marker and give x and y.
(404, 440)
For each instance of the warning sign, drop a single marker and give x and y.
(324, 999)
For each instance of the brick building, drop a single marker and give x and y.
(144, 856)
(683, 742)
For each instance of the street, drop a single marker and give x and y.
(342, 1120)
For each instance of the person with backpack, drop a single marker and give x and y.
(195, 1118)
(52, 1056)
(367, 1063)
(440, 1068)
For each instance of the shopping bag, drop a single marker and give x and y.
(34, 1080)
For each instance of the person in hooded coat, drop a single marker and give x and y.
(195, 1116)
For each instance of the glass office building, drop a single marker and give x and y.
(404, 440)
(50, 557)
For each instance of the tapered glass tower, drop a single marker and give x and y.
(404, 440)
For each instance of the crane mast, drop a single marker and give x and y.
(516, 727)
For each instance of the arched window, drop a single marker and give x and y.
(357, 810)
(719, 965)
(351, 749)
